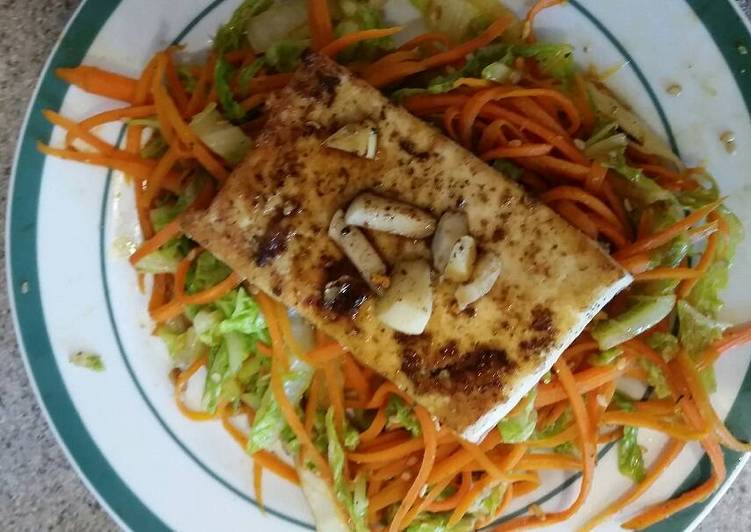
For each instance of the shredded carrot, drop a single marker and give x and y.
(182, 382)
(277, 387)
(449, 503)
(198, 99)
(100, 82)
(525, 150)
(319, 20)
(532, 14)
(576, 217)
(636, 264)
(376, 426)
(384, 390)
(432, 37)
(568, 193)
(430, 442)
(586, 381)
(458, 53)
(340, 44)
(667, 273)
(701, 268)
(638, 419)
(669, 453)
(587, 447)
(669, 233)
(175, 85)
(258, 484)
(400, 450)
(354, 379)
(77, 131)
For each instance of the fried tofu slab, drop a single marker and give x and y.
(469, 368)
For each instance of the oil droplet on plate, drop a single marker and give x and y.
(674, 89)
(728, 139)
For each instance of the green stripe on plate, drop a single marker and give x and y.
(23, 272)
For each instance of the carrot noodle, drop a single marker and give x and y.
(669, 453)
(669, 233)
(381, 394)
(525, 150)
(430, 442)
(319, 20)
(587, 446)
(182, 382)
(586, 381)
(576, 217)
(636, 264)
(449, 117)
(668, 273)
(375, 428)
(434, 37)
(450, 502)
(578, 195)
(354, 379)
(349, 39)
(76, 130)
(532, 14)
(175, 85)
(636, 419)
(100, 82)
(701, 268)
(258, 485)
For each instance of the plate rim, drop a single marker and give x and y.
(101, 11)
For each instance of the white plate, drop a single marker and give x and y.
(74, 289)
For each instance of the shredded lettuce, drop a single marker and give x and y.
(234, 34)
(284, 55)
(643, 314)
(281, 21)
(604, 358)
(183, 346)
(205, 273)
(399, 413)
(269, 421)
(220, 136)
(696, 331)
(438, 522)
(630, 453)
(519, 427)
(361, 15)
(554, 428)
(354, 500)
(165, 259)
(556, 60)
(247, 73)
(223, 73)
(85, 359)
(656, 378)
(664, 343)
(508, 168)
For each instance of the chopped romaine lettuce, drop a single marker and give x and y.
(508, 168)
(519, 427)
(643, 314)
(695, 330)
(554, 428)
(226, 140)
(556, 60)
(247, 73)
(183, 347)
(705, 296)
(399, 413)
(85, 359)
(459, 19)
(361, 15)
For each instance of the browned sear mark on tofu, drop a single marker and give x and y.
(344, 290)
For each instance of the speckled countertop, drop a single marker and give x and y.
(38, 488)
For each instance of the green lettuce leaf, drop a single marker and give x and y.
(226, 140)
(223, 73)
(361, 15)
(519, 427)
(643, 314)
(556, 60)
(459, 19)
(284, 56)
(605, 358)
(356, 506)
(656, 378)
(664, 343)
(166, 258)
(269, 421)
(630, 455)
(85, 359)
(399, 413)
(206, 272)
(554, 428)
(183, 346)
(234, 34)
(696, 331)
(438, 522)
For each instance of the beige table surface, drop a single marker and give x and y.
(38, 488)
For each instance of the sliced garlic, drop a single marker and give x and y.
(357, 139)
(408, 303)
(487, 271)
(451, 227)
(462, 261)
(390, 216)
(355, 245)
